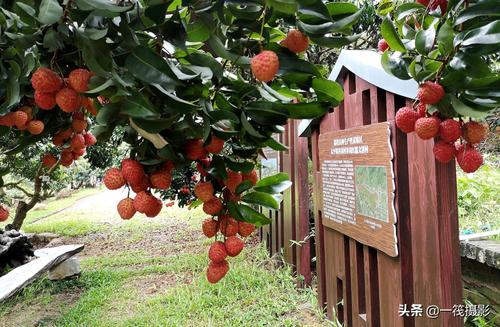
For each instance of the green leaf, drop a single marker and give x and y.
(482, 8)
(218, 167)
(275, 145)
(445, 38)
(243, 166)
(307, 110)
(466, 110)
(220, 51)
(248, 127)
(50, 12)
(13, 89)
(335, 41)
(262, 199)
(244, 186)
(155, 125)
(424, 40)
(327, 90)
(395, 65)
(250, 215)
(407, 9)
(284, 6)
(149, 66)
(104, 5)
(108, 114)
(341, 8)
(391, 36)
(487, 34)
(137, 105)
(197, 32)
(273, 184)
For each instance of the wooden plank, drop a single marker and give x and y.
(18, 278)
(449, 244)
(302, 198)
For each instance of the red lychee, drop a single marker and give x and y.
(49, 160)
(233, 245)
(210, 227)
(295, 41)
(216, 145)
(265, 65)
(132, 171)
(113, 179)
(79, 80)
(4, 213)
(430, 93)
(382, 45)
(45, 80)
(68, 100)
(160, 180)
(194, 149)
(228, 225)
(468, 158)
(245, 229)
(251, 176)
(204, 191)
(89, 139)
(406, 118)
(427, 127)
(212, 207)
(475, 132)
(36, 127)
(449, 130)
(444, 152)
(216, 271)
(45, 101)
(217, 252)
(234, 179)
(126, 208)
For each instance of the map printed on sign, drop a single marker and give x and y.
(358, 185)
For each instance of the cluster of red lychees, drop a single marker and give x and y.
(132, 175)
(265, 65)
(449, 131)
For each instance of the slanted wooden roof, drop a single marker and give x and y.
(367, 65)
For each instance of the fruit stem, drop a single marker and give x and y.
(262, 25)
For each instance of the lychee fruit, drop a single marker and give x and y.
(8, 119)
(228, 226)
(234, 179)
(212, 207)
(126, 208)
(142, 185)
(20, 118)
(45, 101)
(382, 45)
(194, 149)
(251, 176)
(245, 229)
(89, 139)
(443, 151)
(265, 65)
(210, 227)
(66, 158)
(49, 160)
(421, 109)
(160, 180)
(88, 104)
(132, 171)
(113, 179)
(4, 213)
(216, 145)
(449, 130)
(204, 191)
(79, 80)
(143, 202)
(45, 80)
(406, 118)
(233, 245)
(217, 252)
(79, 125)
(430, 93)
(427, 127)
(468, 158)
(36, 127)
(295, 41)
(77, 141)
(155, 208)
(475, 132)
(68, 100)
(216, 271)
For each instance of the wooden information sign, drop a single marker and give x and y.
(357, 182)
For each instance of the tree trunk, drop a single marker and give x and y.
(23, 208)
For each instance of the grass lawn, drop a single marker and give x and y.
(151, 272)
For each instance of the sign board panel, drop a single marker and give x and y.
(357, 182)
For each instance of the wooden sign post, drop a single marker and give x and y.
(358, 185)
